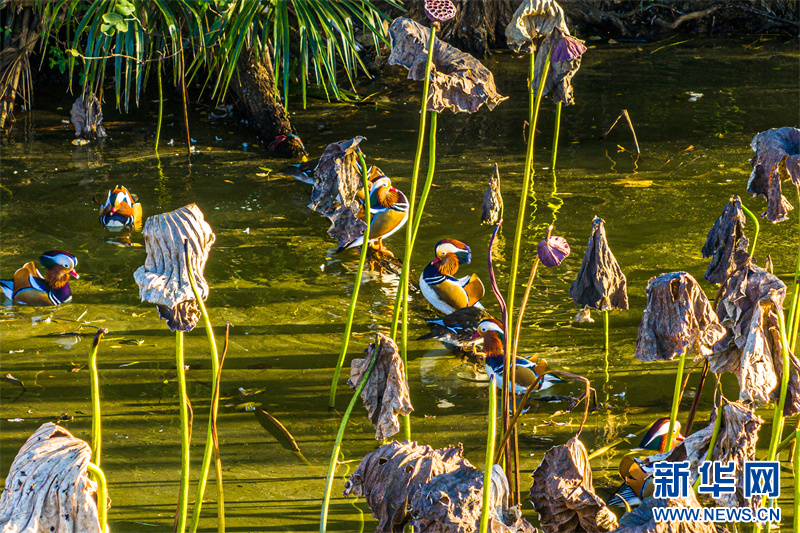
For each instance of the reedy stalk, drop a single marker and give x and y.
(676, 399)
(556, 131)
(354, 299)
(757, 226)
(94, 379)
(713, 442)
(796, 464)
(160, 104)
(794, 312)
(183, 500)
(489, 460)
(102, 494)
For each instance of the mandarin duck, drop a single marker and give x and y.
(656, 437)
(388, 211)
(120, 210)
(30, 288)
(443, 291)
(458, 328)
(526, 371)
(637, 486)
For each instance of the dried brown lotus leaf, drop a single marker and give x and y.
(459, 82)
(390, 476)
(751, 346)
(87, 117)
(492, 206)
(385, 394)
(163, 279)
(777, 159)
(47, 485)
(532, 21)
(641, 519)
(452, 503)
(736, 441)
(337, 180)
(726, 244)
(600, 283)
(558, 83)
(678, 317)
(563, 495)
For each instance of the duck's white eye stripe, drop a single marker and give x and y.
(449, 248)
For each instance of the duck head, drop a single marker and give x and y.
(450, 254)
(491, 330)
(119, 202)
(60, 265)
(656, 436)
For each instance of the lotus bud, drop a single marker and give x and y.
(567, 48)
(440, 10)
(552, 250)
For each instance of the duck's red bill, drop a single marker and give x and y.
(74, 274)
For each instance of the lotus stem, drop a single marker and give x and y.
(794, 313)
(555, 136)
(785, 443)
(777, 419)
(95, 385)
(337, 446)
(757, 229)
(102, 494)
(499, 454)
(185, 107)
(605, 328)
(160, 104)
(212, 417)
(354, 299)
(714, 436)
(796, 464)
(183, 500)
(697, 394)
(676, 399)
(489, 464)
(423, 114)
(524, 304)
(217, 459)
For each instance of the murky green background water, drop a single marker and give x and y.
(273, 273)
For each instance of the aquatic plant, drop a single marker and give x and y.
(488, 464)
(492, 205)
(726, 243)
(776, 159)
(678, 319)
(97, 439)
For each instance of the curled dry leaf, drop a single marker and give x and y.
(492, 207)
(337, 180)
(736, 442)
(563, 495)
(459, 82)
(726, 244)
(641, 519)
(87, 115)
(678, 317)
(751, 346)
(558, 83)
(777, 159)
(48, 486)
(385, 394)
(452, 503)
(163, 279)
(532, 21)
(600, 283)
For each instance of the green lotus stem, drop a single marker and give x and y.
(183, 500)
(794, 313)
(337, 447)
(95, 385)
(713, 442)
(757, 229)
(354, 299)
(423, 115)
(676, 400)
(777, 418)
(428, 182)
(487, 468)
(796, 464)
(209, 449)
(102, 494)
(160, 104)
(785, 443)
(555, 136)
(605, 332)
(523, 305)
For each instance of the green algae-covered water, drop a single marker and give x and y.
(695, 105)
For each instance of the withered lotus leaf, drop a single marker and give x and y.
(751, 347)
(452, 503)
(532, 21)
(558, 83)
(48, 486)
(600, 283)
(726, 244)
(164, 279)
(777, 159)
(385, 394)
(563, 495)
(642, 520)
(736, 442)
(492, 207)
(459, 82)
(390, 476)
(337, 180)
(87, 117)
(678, 317)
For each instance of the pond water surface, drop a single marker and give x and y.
(274, 275)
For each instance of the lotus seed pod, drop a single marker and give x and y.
(439, 10)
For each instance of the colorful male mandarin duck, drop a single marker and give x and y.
(526, 373)
(30, 288)
(119, 210)
(445, 292)
(388, 210)
(656, 436)
(458, 328)
(637, 486)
